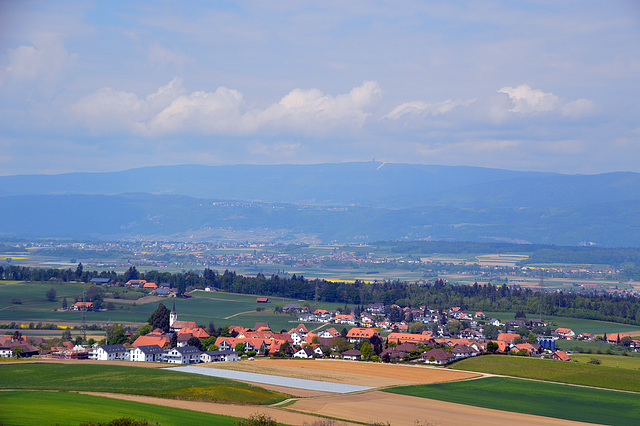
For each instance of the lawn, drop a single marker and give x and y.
(554, 371)
(17, 408)
(537, 398)
(132, 380)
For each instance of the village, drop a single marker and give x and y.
(375, 333)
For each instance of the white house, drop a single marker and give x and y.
(109, 353)
(218, 356)
(150, 353)
(307, 352)
(184, 355)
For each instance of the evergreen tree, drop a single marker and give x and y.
(79, 271)
(64, 303)
(160, 318)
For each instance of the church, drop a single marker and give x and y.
(175, 325)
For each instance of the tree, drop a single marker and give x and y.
(522, 331)
(285, 348)
(66, 335)
(417, 328)
(78, 340)
(491, 331)
(17, 336)
(376, 344)
(520, 314)
(240, 347)
(626, 341)
(492, 346)
(160, 318)
(17, 351)
(194, 341)
(174, 340)
(79, 271)
(454, 327)
(366, 351)
(51, 294)
(116, 335)
(145, 329)
(131, 274)
(340, 344)
(64, 303)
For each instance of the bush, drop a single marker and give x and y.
(594, 361)
(257, 419)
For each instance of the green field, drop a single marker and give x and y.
(592, 347)
(132, 380)
(17, 408)
(617, 361)
(537, 398)
(554, 371)
(576, 324)
(203, 307)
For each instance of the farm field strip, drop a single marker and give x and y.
(17, 407)
(383, 407)
(557, 400)
(349, 372)
(555, 371)
(288, 382)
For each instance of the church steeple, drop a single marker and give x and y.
(173, 316)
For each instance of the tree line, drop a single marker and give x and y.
(438, 295)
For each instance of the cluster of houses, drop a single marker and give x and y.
(438, 345)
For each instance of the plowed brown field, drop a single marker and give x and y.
(349, 372)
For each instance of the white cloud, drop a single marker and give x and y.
(313, 111)
(171, 110)
(41, 64)
(420, 108)
(530, 101)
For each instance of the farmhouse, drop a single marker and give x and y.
(437, 356)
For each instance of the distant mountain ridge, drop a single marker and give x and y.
(350, 202)
(370, 184)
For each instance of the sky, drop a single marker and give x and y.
(112, 85)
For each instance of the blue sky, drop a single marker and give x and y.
(102, 86)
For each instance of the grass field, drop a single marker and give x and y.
(132, 380)
(538, 398)
(554, 371)
(17, 408)
(203, 307)
(576, 324)
(617, 361)
(593, 347)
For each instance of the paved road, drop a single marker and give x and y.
(273, 380)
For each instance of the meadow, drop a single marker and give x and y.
(554, 371)
(593, 347)
(537, 398)
(93, 377)
(617, 361)
(576, 324)
(17, 408)
(204, 307)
